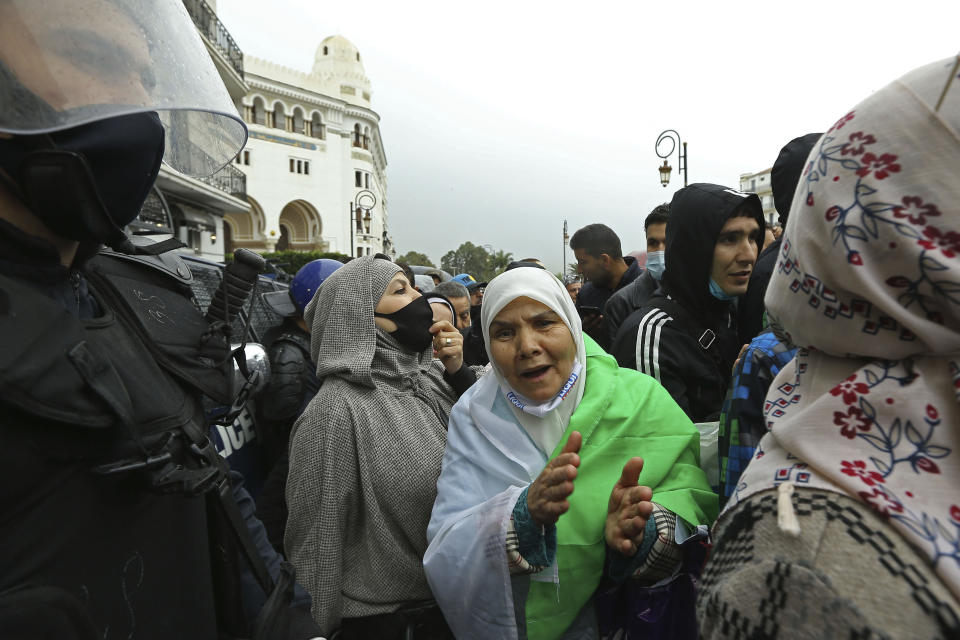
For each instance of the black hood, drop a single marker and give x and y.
(787, 170)
(697, 214)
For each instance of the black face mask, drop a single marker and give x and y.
(88, 182)
(413, 324)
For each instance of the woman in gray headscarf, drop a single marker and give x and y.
(366, 453)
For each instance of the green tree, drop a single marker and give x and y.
(497, 262)
(417, 258)
(467, 258)
(291, 261)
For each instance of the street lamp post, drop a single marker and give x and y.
(675, 143)
(367, 196)
(566, 239)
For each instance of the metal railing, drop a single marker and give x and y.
(210, 26)
(229, 179)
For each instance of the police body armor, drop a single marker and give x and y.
(106, 461)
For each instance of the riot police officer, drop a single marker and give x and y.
(117, 517)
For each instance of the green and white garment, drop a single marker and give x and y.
(490, 459)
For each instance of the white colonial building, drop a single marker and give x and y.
(315, 164)
(759, 183)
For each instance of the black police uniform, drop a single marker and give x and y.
(109, 486)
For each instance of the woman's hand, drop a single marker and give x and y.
(628, 510)
(547, 496)
(447, 345)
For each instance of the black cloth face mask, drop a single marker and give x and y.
(87, 182)
(413, 324)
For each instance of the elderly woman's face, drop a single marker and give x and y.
(533, 348)
(399, 293)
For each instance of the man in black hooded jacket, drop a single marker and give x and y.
(686, 334)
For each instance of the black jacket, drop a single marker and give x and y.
(92, 548)
(751, 308)
(627, 300)
(593, 296)
(683, 336)
(293, 383)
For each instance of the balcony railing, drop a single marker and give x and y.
(210, 26)
(229, 179)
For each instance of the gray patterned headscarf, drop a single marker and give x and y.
(343, 336)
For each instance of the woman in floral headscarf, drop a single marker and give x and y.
(847, 520)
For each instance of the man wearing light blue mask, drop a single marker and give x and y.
(635, 295)
(685, 336)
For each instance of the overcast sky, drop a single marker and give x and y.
(502, 119)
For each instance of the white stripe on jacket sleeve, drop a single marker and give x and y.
(648, 342)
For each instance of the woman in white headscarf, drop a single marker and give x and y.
(365, 454)
(846, 523)
(540, 476)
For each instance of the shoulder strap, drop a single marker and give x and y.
(686, 322)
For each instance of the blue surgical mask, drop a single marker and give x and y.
(719, 293)
(655, 264)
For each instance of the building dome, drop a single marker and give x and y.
(338, 67)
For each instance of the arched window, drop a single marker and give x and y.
(366, 137)
(258, 112)
(279, 116)
(316, 127)
(358, 56)
(325, 51)
(357, 136)
(298, 120)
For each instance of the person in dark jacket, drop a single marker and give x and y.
(606, 270)
(293, 383)
(633, 296)
(686, 335)
(784, 177)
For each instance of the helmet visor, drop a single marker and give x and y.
(64, 63)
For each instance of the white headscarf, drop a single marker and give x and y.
(545, 422)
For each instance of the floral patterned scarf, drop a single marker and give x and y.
(868, 286)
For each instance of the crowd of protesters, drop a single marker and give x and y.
(752, 435)
(566, 481)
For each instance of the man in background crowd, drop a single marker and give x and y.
(606, 270)
(633, 296)
(685, 336)
(459, 297)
